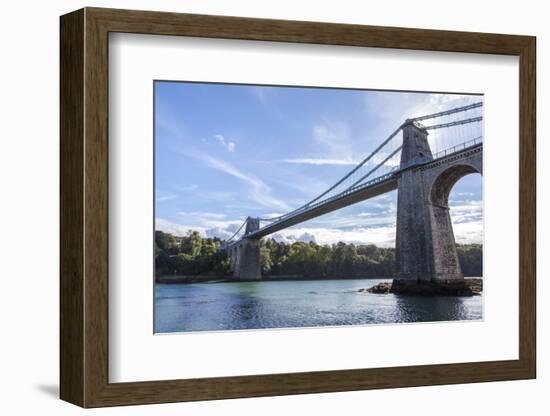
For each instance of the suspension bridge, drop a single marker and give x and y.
(422, 158)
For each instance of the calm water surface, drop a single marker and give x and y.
(293, 304)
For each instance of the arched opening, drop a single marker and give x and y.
(466, 210)
(446, 264)
(445, 182)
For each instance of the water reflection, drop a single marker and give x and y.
(437, 308)
(254, 305)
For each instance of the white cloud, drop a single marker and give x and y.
(228, 144)
(466, 211)
(202, 214)
(467, 219)
(224, 225)
(220, 229)
(175, 228)
(381, 236)
(292, 238)
(468, 232)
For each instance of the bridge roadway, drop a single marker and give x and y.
(371, 189)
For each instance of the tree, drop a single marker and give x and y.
(163, 240)
(191, 244)
(265, 259)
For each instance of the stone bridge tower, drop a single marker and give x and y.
(245, 254)
(426, 256)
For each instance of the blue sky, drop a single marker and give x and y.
(224, 152)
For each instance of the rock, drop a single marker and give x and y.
(476, 285)
(380, 288)
(450, 287)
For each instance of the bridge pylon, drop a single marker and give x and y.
(426, 255)
(245, 254)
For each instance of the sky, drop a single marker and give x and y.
(225, 152)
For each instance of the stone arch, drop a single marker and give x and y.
(446, 180)
(445, 263)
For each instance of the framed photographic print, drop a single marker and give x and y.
(255, 207)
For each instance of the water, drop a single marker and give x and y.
(294, 304)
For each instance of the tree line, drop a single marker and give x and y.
(193, 255)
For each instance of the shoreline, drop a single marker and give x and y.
(170, 279)
(281, 278)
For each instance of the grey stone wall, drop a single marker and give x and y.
(412, 238)
(245, 254)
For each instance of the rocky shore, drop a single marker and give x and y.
(451, 287)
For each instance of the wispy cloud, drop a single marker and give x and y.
(210, 220)
(191, 187)
(261, 93)
(334, 138)
(163, 196)
(313, 161)
(259, 191)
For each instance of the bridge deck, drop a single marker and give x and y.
(385, 185)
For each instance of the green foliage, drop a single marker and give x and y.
(164, 241)
(190, 255)
(339, 260)
(194, 255)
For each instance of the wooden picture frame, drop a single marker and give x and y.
(84, 207)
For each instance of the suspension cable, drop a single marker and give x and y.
(391, 136)
(448, 112)
(236, 232)
(454, 123)
(375, 168)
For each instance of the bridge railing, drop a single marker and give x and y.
(458, 147)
